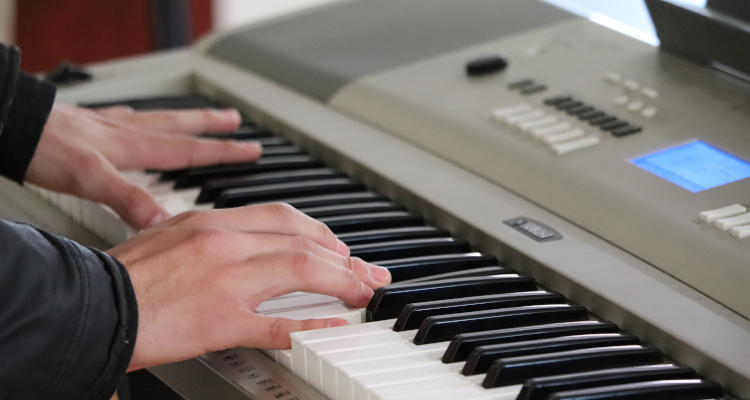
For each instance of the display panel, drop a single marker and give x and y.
(695, 166)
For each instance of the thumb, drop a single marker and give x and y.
(132, 203)
(273, 333)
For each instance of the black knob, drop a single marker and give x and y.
(486, 65)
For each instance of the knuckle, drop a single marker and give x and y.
(283, 212)
(351, 281)
(208, 239)
(304, 264)
(279, 330)
(301, 243)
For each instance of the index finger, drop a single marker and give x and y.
(187, 122)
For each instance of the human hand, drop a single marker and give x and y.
(198, 278)
(81, 150)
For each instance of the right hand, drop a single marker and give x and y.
(198, 278)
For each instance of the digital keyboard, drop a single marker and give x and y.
(543, 240)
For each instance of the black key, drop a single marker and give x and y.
(241, 196)
(159, 103)
(602, 120)
(482, 357)
(388, 301)
(284, 150)
(568, 105)
(444, 327)
(213, 188)
(626, 130)
(466, 273)
(553, 101)
(330, 199)
(580, 110)
(374, 252)
(462, 345)
(515, 370)
(419, 267)
(247, 132)
(591, 115)
(366, 222)
(524, 83)
(413, 314)
(273, 141)
(540, 388)
(613, 125)
(197, 176)
(533, 89)
(686, 389)
(383, 235)
(348, 209)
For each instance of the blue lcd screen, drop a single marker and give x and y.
(694, 166)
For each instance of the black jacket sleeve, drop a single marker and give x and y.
(68, 317)
(25, 104)
(68, 314)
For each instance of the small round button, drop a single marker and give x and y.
(486, 65)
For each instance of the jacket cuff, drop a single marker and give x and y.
(30, 105)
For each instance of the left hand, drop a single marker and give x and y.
(81, 151)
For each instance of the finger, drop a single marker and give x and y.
(116, 111)
(260, 245)
(186, 122)
(104, 184)
(307, 272)
(282, 219)
(273, 333)
(171, 152)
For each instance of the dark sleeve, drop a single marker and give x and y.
(25, 104)
(68, 317)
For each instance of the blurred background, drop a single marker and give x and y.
(86, 31)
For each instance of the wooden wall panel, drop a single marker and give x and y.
(84, 31)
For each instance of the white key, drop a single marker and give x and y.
(573, 145)
(464, 393)
(383, 358)
(741, 232)
(527, 126)
(295, 302)
(284, 358)
(363, 384)
(711, 216)
(550, 130)
(499, 113)
(420, 389)
(564, 136)
(726, 224)
(314, 351)
(331, 363)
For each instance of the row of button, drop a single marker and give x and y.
(527, 87)
(631, 85)
(734, 218)
(584, 112)
(561, 136)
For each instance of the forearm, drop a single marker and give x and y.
(68, 318)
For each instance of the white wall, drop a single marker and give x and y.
(7, 20)
(231, 13)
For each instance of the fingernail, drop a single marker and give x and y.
(337, 322)
(158, 219)
(342, 248)
(380, 274)
(367, 293)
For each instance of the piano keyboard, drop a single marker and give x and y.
(455, 324)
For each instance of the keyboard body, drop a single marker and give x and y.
(416, 129)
